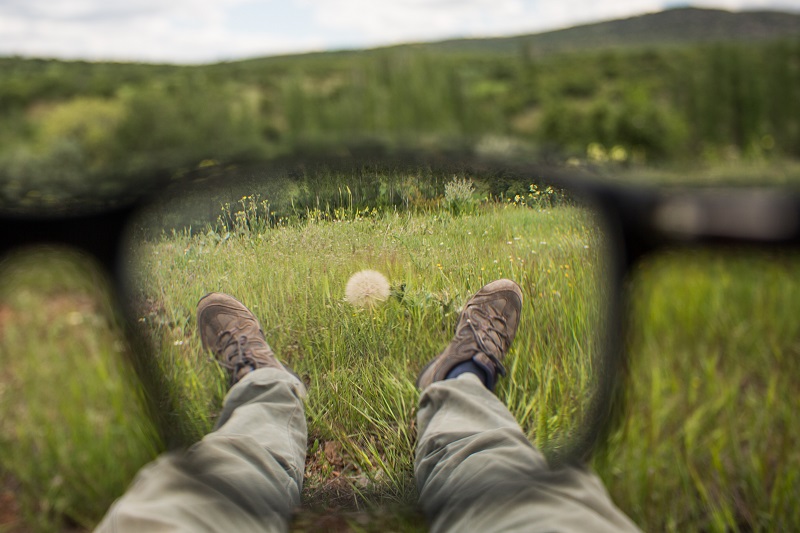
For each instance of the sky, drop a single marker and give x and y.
(203, 31)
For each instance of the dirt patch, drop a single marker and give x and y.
(331, 521)
(332, 477)
(333, 453)
(368, 521)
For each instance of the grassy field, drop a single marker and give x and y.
(707, 444)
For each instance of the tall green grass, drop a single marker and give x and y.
(707, 444)
(361, 366)
(72, 425)
(710, 443)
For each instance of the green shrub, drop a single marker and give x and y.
(459, 197)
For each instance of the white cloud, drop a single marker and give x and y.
(406, 20)
(150, 30)
(205, 30)
(414, 19)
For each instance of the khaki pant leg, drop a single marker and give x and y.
(245, 476)
(476, 471)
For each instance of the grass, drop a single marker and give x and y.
(711, 441)
(707, 445)
(361, 366)
(72, 430)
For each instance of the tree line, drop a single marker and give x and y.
(88, 126)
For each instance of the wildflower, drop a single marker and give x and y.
(367, 288)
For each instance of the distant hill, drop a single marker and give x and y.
(672, 27)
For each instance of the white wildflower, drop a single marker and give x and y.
(367, 288)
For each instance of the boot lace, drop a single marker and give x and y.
(237, 354)
(491, 346)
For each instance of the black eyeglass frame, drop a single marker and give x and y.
(638, 221)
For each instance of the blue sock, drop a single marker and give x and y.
(467, 367)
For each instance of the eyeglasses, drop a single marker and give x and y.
(636, 222)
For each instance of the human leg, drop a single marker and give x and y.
(247, 475)
(475, 469)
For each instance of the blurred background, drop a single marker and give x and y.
(98, 100)
(696, 93)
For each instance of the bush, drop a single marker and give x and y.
(458, 196)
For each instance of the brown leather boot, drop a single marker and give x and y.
(484, 332)
(231, 331)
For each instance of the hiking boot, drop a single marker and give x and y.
(484, 332)
(230, 330)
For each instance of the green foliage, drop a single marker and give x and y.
(252, 215)
(543, 197)
(73, 429)
(692, 455)
(172, 125)
(722, 322)
(459, 196)
(74, 130)
(89, 122)
(710, 381)
(255, 198)
(710, 409)
(438, 259)
(96, 146)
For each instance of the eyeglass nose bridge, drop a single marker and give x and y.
(98, 235)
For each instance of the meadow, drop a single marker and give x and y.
(707, 443)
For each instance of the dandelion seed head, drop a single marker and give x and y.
(367, 289)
